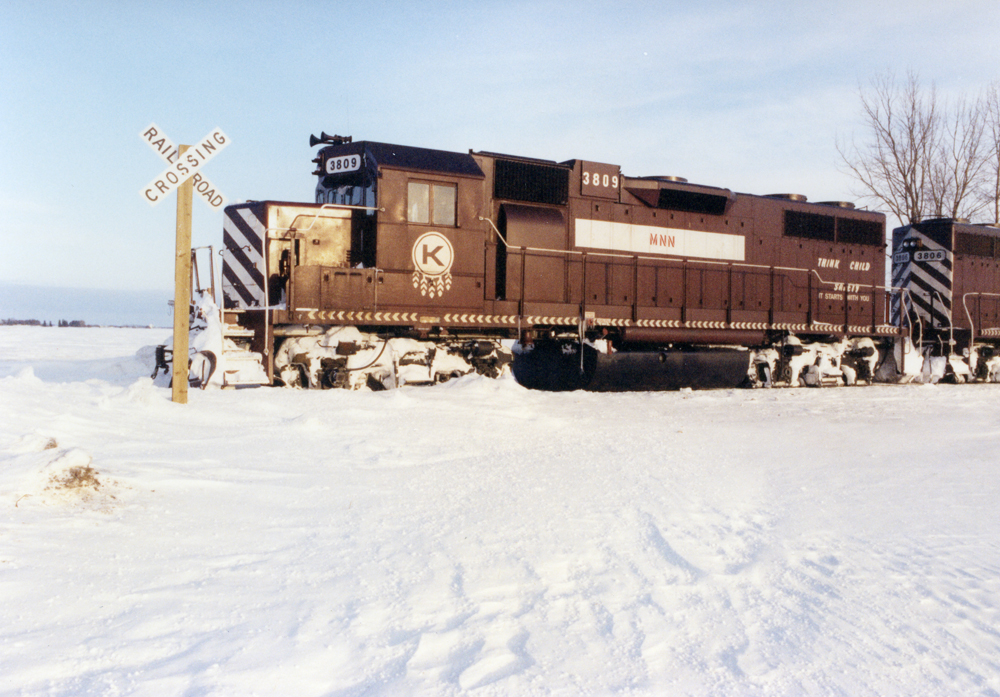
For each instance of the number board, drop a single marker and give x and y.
(600, 180)
(932, 255)
(344, 163)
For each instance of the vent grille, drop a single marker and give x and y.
(975, 245)
(827, 228)
(530, 182)
(809, 225)
(692, 202)
(851, 231)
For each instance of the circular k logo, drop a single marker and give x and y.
(433, 254)
(432, 259)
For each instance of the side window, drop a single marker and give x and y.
(444, 204)
(418, 206)
(431, 203)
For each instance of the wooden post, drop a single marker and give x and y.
(182, 288)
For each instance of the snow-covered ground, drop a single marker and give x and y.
(478, 538)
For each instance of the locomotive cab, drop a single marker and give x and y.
(415, 216)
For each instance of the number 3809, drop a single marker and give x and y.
(595, 179)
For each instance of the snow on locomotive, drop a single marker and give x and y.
(417, 265)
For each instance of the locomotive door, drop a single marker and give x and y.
(320, 274)
(530, 265)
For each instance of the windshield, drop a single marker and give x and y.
(347, 182)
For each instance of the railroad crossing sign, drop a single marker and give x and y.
(184, 166)
(184, 174)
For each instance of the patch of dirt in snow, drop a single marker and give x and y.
(67, 479)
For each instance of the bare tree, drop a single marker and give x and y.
(919, 158)
(894, 164)
(959, 162)
(990, 189)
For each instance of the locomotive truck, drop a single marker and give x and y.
(417, 265)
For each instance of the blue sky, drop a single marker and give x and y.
(749, 96)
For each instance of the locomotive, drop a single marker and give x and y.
(416, 265)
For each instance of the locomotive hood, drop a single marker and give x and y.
(334, 159)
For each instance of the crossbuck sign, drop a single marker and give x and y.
(184, 167)
(185, 163)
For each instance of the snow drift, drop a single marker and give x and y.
(479, 538)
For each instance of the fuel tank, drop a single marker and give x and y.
(559, 366)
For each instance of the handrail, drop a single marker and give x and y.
(907, 306)
(688, 260)
(951, 324)
(684, 262)
(968, 315)
(195, 273)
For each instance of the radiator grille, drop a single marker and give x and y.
(530, 182)
(976, 245)
(810, 225)
(851, 231)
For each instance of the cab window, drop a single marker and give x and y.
(432, 204)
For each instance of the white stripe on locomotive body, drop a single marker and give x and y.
(928, 282)
(242, 260)
(936, 275)
(240, 287)
(242, 280)
(648, 239)
(900, 279)
(255, 253)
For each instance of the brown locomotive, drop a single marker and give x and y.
(948, 273)
(415, 265)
